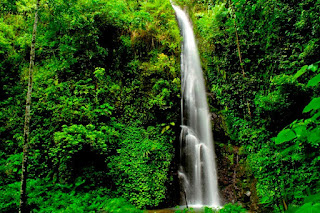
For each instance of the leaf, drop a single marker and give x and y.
(315, 117)
(79, 181)
(313, 105)
(309, 208)
(165, 129)
(313, 67)
(284, 136)
(265, 200)
(292, 209)
(312, 198)
(290, 149)
(299, 130)
(316, 207)
(300, 72)
(314, 81)
(306, 208)
(296, 157)
(314, 136)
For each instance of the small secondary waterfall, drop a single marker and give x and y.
(197, 170)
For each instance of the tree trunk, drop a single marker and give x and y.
(237, 39)
(239, 51)
(24, 174)
(238, 45)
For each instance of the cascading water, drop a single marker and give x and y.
(198, 170)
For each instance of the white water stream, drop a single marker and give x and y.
(198, 169)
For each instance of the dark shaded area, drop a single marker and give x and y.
(91, 167)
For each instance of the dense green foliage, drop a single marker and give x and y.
(141, 166)
(104, 104)
(106, 99)
(311, 204)
(57, 198)
(259, 57)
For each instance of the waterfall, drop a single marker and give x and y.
(197, 171)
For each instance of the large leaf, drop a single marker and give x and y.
(313, 105)
(290, 149)
(313, 198)
(300, 129)
(292, 209)
(301, 71)
(315, 117)
(284, 136)
(314, 136)
(314, 81)
(309, 208)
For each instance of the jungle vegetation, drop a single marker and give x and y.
(105, 110)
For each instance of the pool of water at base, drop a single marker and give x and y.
(193, 209)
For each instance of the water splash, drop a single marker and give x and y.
(198, 170)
